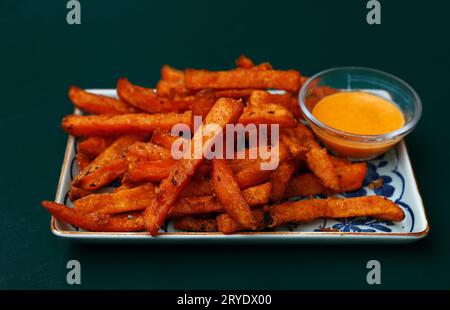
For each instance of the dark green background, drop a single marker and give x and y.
(41, 56)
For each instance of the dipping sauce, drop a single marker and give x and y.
(359, 113)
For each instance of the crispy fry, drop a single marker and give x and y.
(308, 210)
(234, 93)
(97, 104)
(193, 205)
(225, 111)
(251, 173)
(228, 225)
(193, 223)
(164, 139)
(297, 149)
(127, 200)
(107, 167)
(113, 125)
(268, 113)
(280, 179)
(244, 62)
(77, 193)
(306, 184)
(200, 187)
(260, 97)
(82, 161)
(147, 100)
(289, 80)
(169, 73)
(141, 151)
(149, 171)
(228, 193)
(172, 89)
(351, 177)
(93, 146)
(95, 221)
(203, 102)
(320, 164)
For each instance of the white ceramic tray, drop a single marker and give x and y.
(399, 185)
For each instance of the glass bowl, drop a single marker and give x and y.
(344, 79)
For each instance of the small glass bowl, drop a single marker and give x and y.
(355, 146)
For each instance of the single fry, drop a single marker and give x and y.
(172, 89)
(124, 124)
(164, 139)
(280, 179)
(169, 73)
(147, 100)
(141, 151)
(203, 102)
(228, 225)
(225, 111)
(93, 146)
(198, 224)
(260, 97)
(95, 221)
(228, 193)
(289, 80)
(127, 200)
(97, 104)
(107, 167)
(149, 171)
(308, 210)
(268, 113)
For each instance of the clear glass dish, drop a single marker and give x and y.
(355, 146)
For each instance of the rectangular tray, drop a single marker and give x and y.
(393, 167)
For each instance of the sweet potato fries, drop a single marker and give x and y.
(127, 141)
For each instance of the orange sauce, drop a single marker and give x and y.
(357, 113)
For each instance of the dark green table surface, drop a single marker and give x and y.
(41, 55)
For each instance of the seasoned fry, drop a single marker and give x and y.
(149, 171)
(93, 146)
(127, 200)
(319, 163)
(185, 206)
(199, 187)
(225, 111)
(228, 193)
(259, 97)
(280, 179)
(268, 113)
(147, 100)
(251, 173)
(97, 104)
(172, 89)
(228, 225)
(169, 73)
(306, 184)
(141, 151)
(297, 149)
(234, 93)
(308, 210)
(164, 139)
(82, 161)
(77, 193)
(193, 223)
(289, 80)
(203, 102)
(113, 125)
(95, 221)
(107, 167)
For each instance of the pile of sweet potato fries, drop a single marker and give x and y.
(128, 139)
